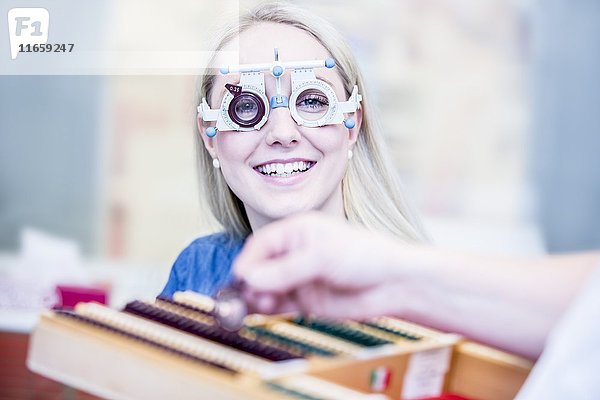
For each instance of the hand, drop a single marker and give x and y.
(325, 266)
(320, 265)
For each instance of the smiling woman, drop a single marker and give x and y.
(288, 130)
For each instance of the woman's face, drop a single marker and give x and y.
(245, 157)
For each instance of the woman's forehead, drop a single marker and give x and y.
(256, 44)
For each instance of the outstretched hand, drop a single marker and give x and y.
(319, 265)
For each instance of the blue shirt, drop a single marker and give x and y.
(204, 266)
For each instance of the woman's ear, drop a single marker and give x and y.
(209, 143)
(353, 133)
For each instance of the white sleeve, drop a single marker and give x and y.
(569, 367)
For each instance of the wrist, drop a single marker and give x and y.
(417, 275)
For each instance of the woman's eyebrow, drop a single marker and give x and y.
(324, 80)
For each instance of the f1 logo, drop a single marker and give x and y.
(27, 26)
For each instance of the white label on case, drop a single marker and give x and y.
(425, 373)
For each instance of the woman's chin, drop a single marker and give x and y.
(283, 210)
(275, 206)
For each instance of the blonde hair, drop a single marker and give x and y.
(371, 192)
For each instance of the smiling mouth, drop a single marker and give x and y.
(285, 169)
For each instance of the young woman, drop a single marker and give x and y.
(261, 160)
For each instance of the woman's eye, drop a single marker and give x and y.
(312, 102)
(246, 107)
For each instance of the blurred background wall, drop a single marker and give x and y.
(471, 95)
(49, 156)
(565, 142)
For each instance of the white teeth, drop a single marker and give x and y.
(287, 169)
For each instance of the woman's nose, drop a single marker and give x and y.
(281, 128)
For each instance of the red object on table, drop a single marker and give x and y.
(69, 296)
